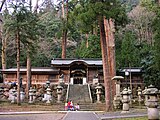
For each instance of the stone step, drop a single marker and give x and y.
(79, 93)
(92, 107)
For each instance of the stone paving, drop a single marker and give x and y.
(69, 115)
(32, 117)
(81, 116)
(114, 115)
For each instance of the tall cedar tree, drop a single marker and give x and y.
(22, 23)
(94, 11)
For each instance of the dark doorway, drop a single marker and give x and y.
(78, 80)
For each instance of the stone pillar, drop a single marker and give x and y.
(84, 81)
(139, 93)
(59, 93)
(71, 82)
(152, 103)
(125, 100)
(14, 93)
(98, 93)
(117, 97)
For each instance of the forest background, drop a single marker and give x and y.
(42, 28)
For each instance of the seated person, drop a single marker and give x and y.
(77, 107)
(69, 105)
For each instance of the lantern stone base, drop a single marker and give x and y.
(125, 108)
(153, 114)
(123, 112)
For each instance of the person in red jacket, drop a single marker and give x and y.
(69, 105)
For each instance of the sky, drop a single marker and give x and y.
(40, 1)
(33, 2)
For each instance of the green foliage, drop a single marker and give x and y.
(40, 60)
(42, 34)
(22, 20)
(149, 4)
(49, 25)
(151, 61)
(128, 54)
(151, 75)
(134, 118)
(156, 27)
(93, 50)
(87, 13)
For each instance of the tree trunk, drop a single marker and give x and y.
(107, 77)
(64, 32)
(4, 40)
(36, 7)
(87, 44)
(4, 46)
(158, 2)
(48, 7)
(109, 29)
(112, 56)
(28, 85)
(112, 45)
(2, 5)
(63, 14)
(18, 66)
(30, 5)
(64, 43)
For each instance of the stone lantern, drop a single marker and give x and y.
(146, 96)
(22, 95)
(59, 93)
(34, 94)
(31, 94)
(125, 100)
(14, 94)
(139, 92)
(1, 91)
(117, 97)
(98, 92)
(130, 96)
(152, 103)
(48, 83)
(61, 79)
(48, 95)
(95, 79)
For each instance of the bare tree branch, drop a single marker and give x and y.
(2, 5)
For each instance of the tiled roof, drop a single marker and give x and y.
(32, 69)
(131, 70)
(70, 61)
